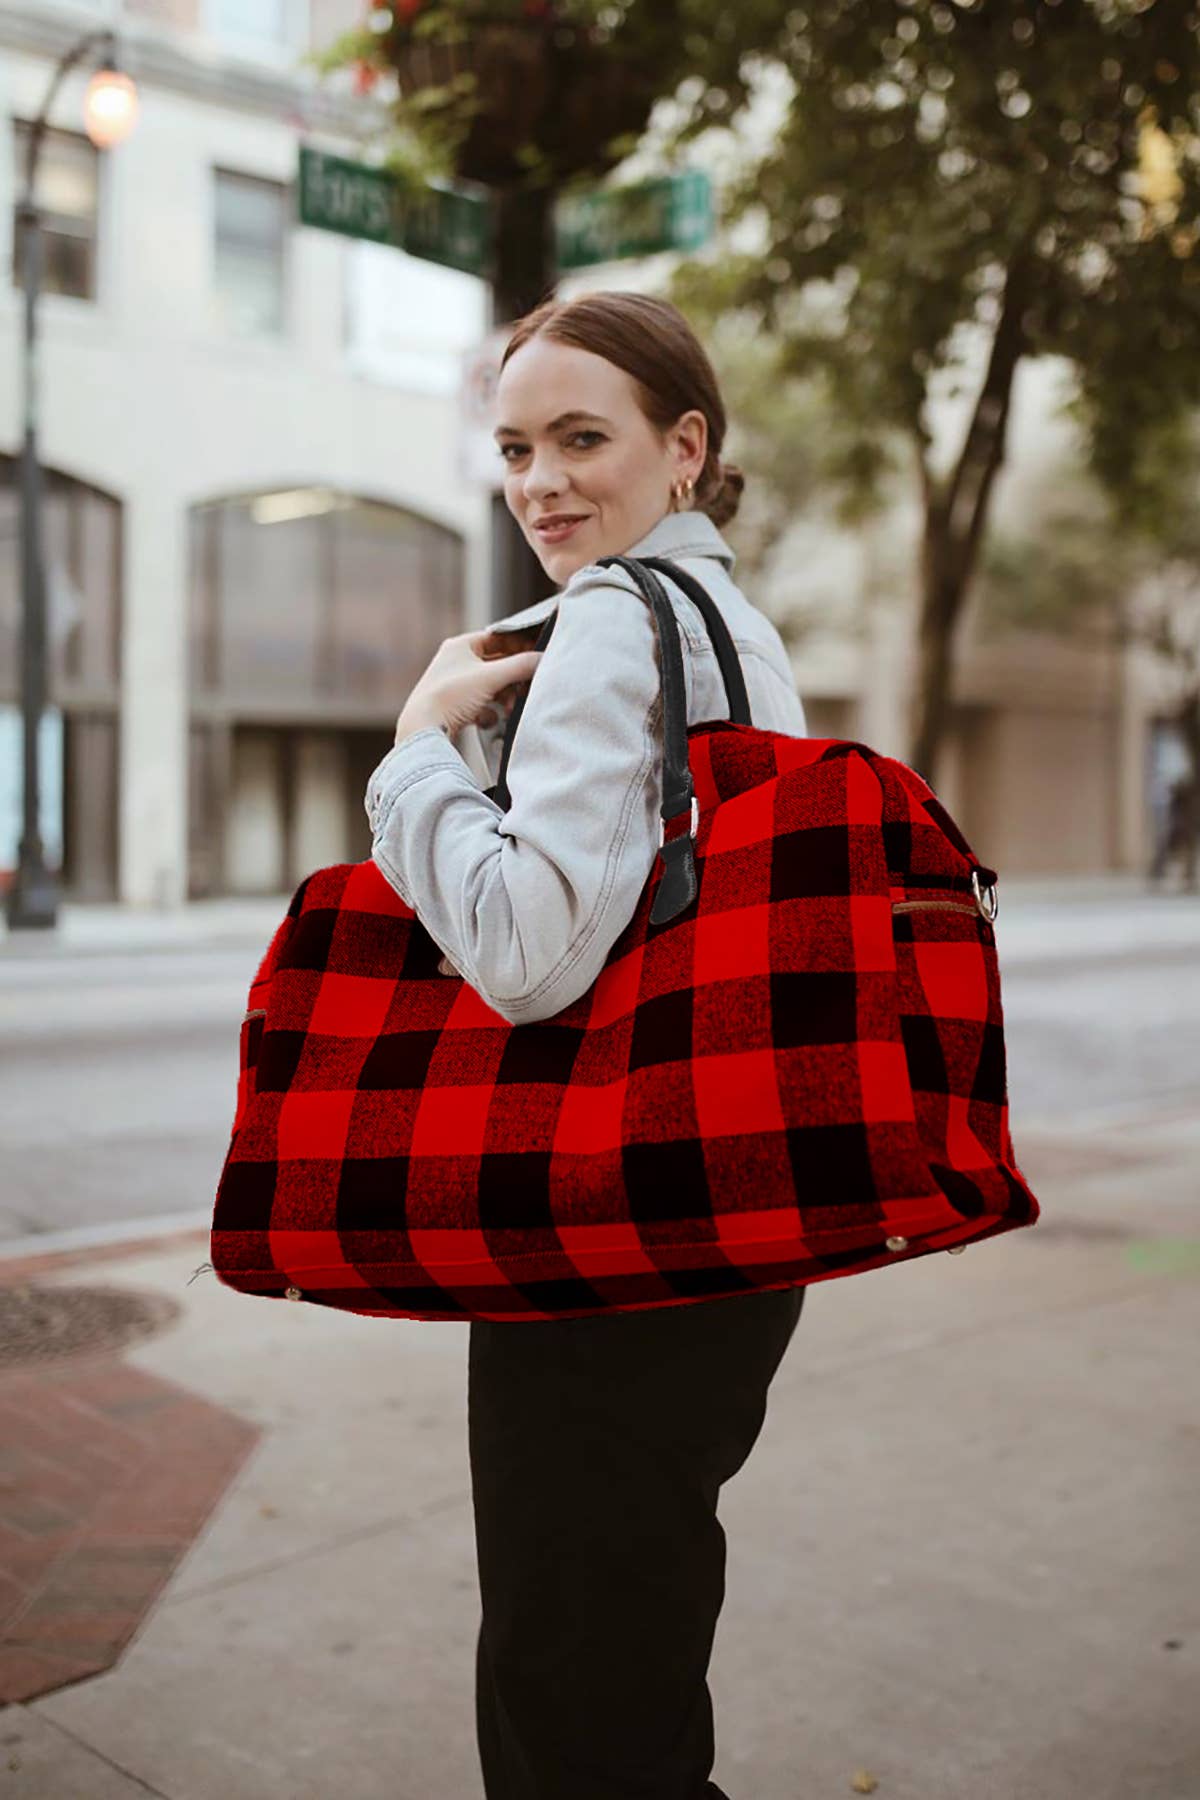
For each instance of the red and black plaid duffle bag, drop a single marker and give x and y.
(790, 1068)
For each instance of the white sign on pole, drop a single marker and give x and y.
(12, 776)
(409, 322)
(479, 458)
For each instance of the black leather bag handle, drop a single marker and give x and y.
(677, 889)
(736, 697)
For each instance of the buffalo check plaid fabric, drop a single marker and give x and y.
(799, 1077)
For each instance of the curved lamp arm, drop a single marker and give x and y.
(37, 130)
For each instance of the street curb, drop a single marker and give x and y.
(18, 1265)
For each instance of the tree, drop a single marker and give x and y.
(790, 443)
(530, 98)
(534, 96)
(1025, 173)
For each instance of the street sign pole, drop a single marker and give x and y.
(523, 274)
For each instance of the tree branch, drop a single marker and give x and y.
(983, 449)
(924, 472)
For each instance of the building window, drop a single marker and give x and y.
(82, 531)
(312, 599)
(83, 538)
(248, 253)
(67, 194)
(251, 22)
(181, 15)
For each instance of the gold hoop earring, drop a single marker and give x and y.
(682, 490)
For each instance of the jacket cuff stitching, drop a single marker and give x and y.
(387, 801)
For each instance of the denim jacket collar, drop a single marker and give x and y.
(675, 535)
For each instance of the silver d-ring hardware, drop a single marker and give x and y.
(293, 1293)
(695, 824)
(991, 906)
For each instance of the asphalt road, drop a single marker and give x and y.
(118, 1071)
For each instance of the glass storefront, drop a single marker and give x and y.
(312, 614)
(82, 547)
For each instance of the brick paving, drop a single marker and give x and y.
(107, 1475)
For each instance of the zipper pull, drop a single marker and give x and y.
(199, 1271)
(983, 886)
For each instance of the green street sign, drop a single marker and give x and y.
(444, 225)
(673, 212)
(454, 226)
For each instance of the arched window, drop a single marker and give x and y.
(312, 614)
(82, 545)
(315, 599)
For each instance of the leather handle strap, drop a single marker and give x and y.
(736, 697)
(677, 775)
(678, 887)
(499, 792)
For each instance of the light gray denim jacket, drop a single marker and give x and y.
(528, 903)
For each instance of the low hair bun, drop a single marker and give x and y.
(724, 503)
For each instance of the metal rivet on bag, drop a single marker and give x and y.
(896, 1243)
(955, 1249)
(292, 1293)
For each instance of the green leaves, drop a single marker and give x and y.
(975, 175)
(926, 149)
(926, 145)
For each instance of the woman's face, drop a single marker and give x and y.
(578, 446)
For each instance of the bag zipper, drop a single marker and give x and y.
(902, 906)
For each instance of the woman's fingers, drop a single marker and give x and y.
(512, 672)
(462, 683)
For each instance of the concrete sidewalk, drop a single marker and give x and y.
(1040, 918)
(109, 929)
(961, 1558)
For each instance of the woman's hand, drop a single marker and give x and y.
(470, 676)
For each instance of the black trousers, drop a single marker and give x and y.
(597, 1449)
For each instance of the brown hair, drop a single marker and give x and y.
(652, 341)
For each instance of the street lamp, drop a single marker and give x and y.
(110, 113)
(109, 106)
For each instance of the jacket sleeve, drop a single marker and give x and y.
(528, 903)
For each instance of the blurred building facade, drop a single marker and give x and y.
(259, 529)
(1056, 745)
(255, 534)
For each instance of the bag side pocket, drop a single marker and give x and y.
(953, 1027)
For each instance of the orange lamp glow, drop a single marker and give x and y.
(110, 108)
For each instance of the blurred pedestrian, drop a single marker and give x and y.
(1179, 833)
(1187, 831)
(598, 1444)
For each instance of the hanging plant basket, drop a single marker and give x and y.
(525, 97)
(484, 72)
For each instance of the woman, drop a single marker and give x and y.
(598, 1444)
